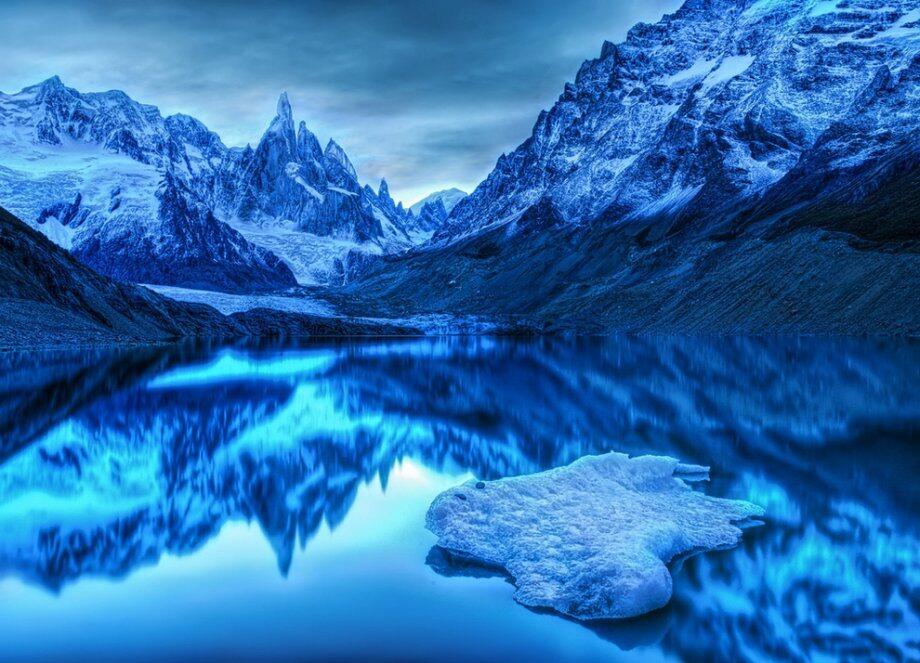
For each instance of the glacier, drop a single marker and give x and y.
(590, 540)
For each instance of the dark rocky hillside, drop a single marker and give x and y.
(49, 298)
(848, 263)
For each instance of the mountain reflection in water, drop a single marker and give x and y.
(112, 460)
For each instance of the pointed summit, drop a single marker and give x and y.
(281, 130)
(53, 82)
(386, 201)
(284, 107)
(49, 86)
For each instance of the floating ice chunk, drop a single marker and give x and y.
(592, 539)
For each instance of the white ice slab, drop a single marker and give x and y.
(590, 540)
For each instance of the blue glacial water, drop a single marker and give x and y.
(267, 502)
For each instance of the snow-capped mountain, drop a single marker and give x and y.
(432, 216)
(144, 198)
(739, 165)
(448, 197)
(711, 107)
(304, 203)
(114, 182)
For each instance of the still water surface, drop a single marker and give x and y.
(268, 502)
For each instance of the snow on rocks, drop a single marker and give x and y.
(592, 539)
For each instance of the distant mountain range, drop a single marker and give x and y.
(144, 198)
(738, 166)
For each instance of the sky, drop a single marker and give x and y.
(427, 93)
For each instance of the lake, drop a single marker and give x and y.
(267, 502)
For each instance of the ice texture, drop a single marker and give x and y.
(592, 539)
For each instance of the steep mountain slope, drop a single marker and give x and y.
(145, 198)
(47, 296)
(739, 166)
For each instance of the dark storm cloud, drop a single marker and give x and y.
(425, 92)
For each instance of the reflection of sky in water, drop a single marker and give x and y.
(148, 503)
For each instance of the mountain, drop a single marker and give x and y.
(49, 298)
(738, 166)
(304, 203)
(694, 116)
(113, 181)
(449, 198)
(144, 198)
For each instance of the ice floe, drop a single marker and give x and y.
(592, 539)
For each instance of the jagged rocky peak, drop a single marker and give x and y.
(383, 194)
(111, 119)
(308, 148)
(282, 127)
(189, 131)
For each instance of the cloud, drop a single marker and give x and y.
(425, 92)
